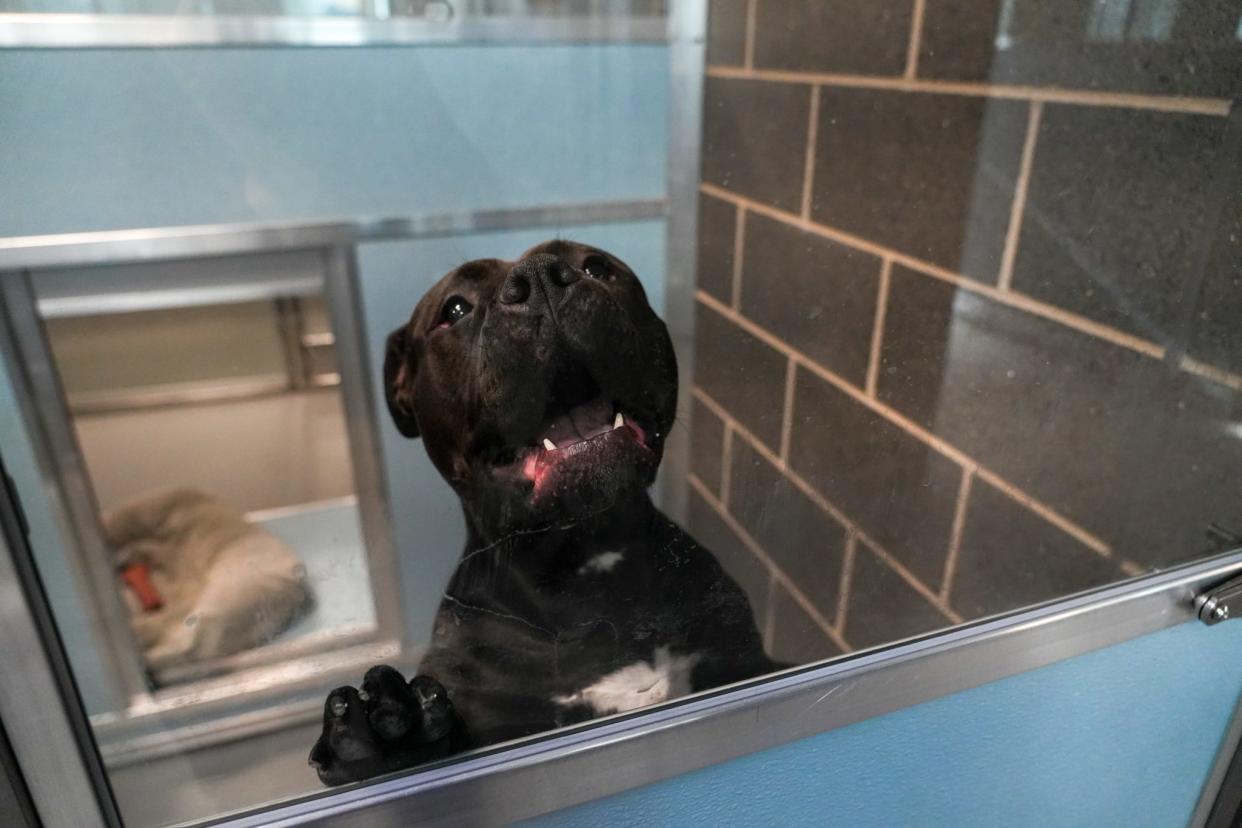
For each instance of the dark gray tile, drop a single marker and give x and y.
(741, 373)
(707, 527)
(706, 446)
(844, 36)
(798, 536)
(717, 228)
(1144, 456)
(754, 138)
(825, 303)
(1010, 557)
(883, 607)
(1116, 204)
(796, 638)
(726, 32)
(1165, 48)
(926, 174)
(1216, 326)
(898, 490)
(1214, 334)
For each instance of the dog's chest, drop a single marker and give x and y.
(665, 676)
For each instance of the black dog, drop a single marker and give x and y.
(543, 390)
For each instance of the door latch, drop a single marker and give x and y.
(1221, 602)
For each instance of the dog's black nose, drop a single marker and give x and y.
(539, 278)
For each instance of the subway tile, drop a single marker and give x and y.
(799, 537)
(1117, 204)
(1010, 557)
(717, 228)
(742, 373)
(842, 36)
(1142, 455)
(726, 32)
(706, 445)
(825, 303)
(1161, 48)
(883, 607)
(754, 138)
(796, 638)
(929, 175)
(710, 530)
(898, 490)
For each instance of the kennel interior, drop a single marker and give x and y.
(954, 287)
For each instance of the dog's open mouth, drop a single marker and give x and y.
(584, 432)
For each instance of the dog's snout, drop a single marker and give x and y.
(542, 277)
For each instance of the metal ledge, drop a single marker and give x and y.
(127, 246)
(108, 31)
(620, 753)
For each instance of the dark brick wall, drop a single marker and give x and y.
(969, 327)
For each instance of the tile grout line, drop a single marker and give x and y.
(918, 432)
(1019, 196)
(955, 534)
(826, 505)
(1010, 298)
(739, 235)
(751, 14)
(916, 35)
(774, 571)
(877, 326)
(812, 135)
(787, 411)
(726, 464)
(847, 577)
(1125, 100)
(1211, 372)
(1047, 513)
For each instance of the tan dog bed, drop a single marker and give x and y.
(201, 583)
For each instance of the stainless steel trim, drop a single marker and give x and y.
(123, 246)
(50, 756)
(129, 302)
(623, 752)
(181, 393)
(41, 397)
(687, 36)
(343, 295)
(115, 31)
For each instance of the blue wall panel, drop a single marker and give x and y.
(1119, 737)
(111, 139)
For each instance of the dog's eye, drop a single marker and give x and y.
(597, 267)
(455, 309)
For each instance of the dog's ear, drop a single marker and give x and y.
(399, 368)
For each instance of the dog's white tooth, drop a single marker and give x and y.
(548, 444)
(620, 421)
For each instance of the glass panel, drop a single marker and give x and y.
(437, 10)
(928, 312)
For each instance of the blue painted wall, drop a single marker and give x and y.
(1120, 737)
(112, 139)
(127, 138)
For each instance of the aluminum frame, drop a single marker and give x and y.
(117, 31)
(193, 241)
(687, 59)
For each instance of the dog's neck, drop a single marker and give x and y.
(565, 543)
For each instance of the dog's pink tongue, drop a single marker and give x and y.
(581, 423)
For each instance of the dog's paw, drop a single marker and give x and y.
(389, 725)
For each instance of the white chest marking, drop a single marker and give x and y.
(603, 562)
(638, 684)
